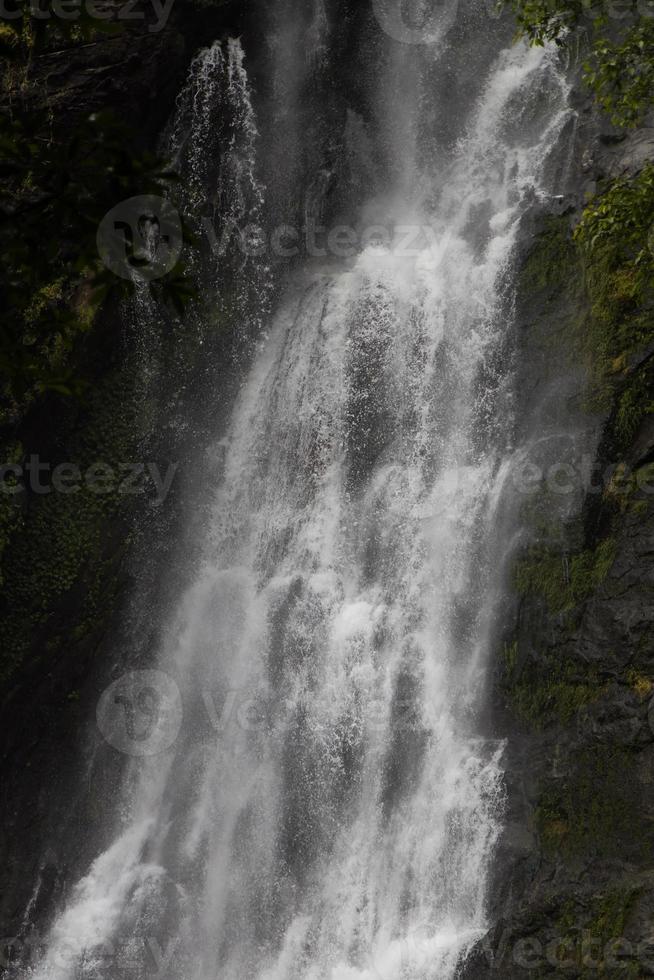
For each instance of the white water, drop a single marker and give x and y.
(335, 819)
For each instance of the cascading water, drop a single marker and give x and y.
(329, 809)
(212, 141)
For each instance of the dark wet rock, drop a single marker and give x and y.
(573, 889)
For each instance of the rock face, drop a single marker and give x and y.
(574, 888)
(136, 72)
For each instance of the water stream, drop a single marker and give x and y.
(330, 806)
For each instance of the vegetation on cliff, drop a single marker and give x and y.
(578, 671)
(620, 43)
(615, 233)
(54, 193)
(69, 391)
(57, 182)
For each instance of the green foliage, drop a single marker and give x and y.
(547, 20)
(615, 239)
(615, 233)
(24, 35)
(621, 74)
(619, 71)
(53, 195)
(634, 404)
(617, 225)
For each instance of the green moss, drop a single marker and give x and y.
(539, 513)
(556, 687)
(640, 683)
(634, 404)
(615, 246)
(606, 272)
(551, 261)
(556, 699)
(61, 570)
(589, 569)
(594, 810)
(52, 292)
(589, 930)
(611, 912)
(510, 653)
(552, 300)
(11, 512)
(561, 581)
(544, 574)
(628, 491)
(553, 692)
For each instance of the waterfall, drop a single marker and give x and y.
(211, 140)
(326, 806)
